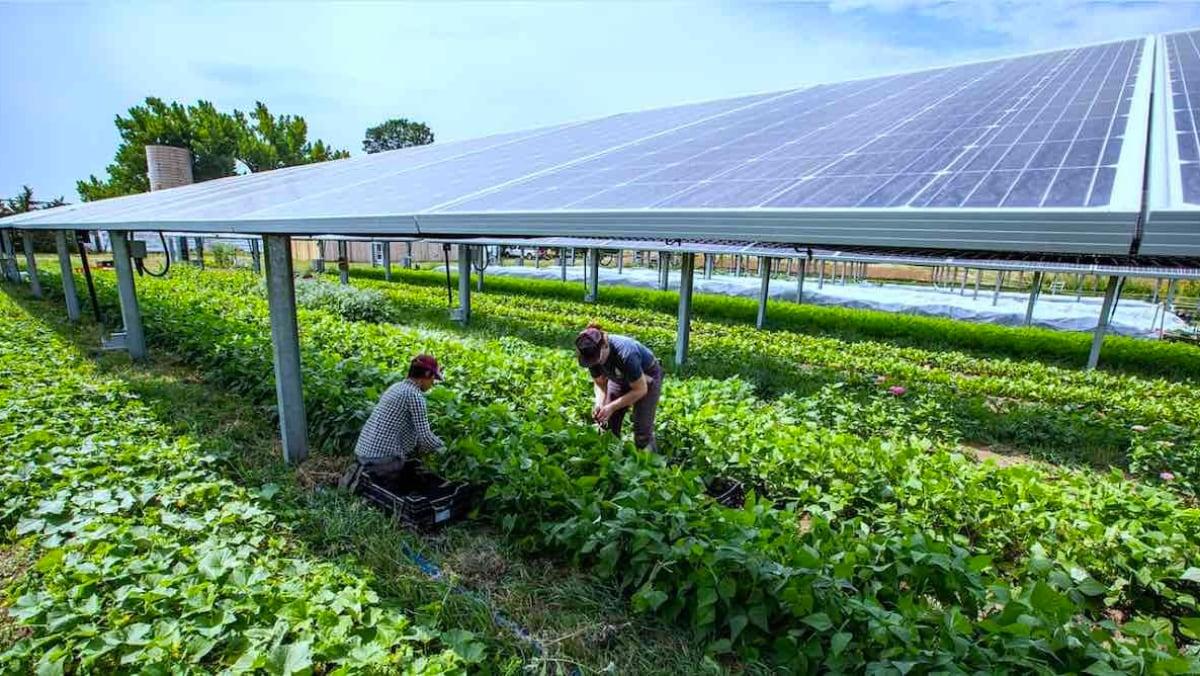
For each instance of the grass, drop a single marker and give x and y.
(581, 622)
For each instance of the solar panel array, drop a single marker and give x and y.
(1183, 70)
(1037, 153)
(1036, 131)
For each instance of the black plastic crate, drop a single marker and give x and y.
(422, 499)
(727, 492)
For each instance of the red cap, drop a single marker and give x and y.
(426, 365)
(588, 343)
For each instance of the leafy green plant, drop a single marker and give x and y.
(148, 561)
(891, 553)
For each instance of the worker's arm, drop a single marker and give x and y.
(637, 390)
(600, 388)
(426, 439)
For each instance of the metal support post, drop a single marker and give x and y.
(1034, 291)
(978, 281)
(764, 269)
(1106, 310)
(620, 262)
(181, 245)
(285, 346)
(200, 252)
(343, 262)
(255, 256)
(664, 271)
(687, 268)
(562, 263)
(10, 256)
(800, 280)
(593, 276)
(737, 265)
(521, 256)
(407, 261)
(708, 266)
(999, 283)
(68, 275)
(463, 314)
(963, 290)
(387, 261)
(1154, 293)
(35, 284)
(820, 274)
(131, 314)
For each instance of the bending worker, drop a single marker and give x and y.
(625, 374)
(398, 429)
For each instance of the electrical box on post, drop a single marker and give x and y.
(137, 249)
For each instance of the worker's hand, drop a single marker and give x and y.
(603, 413)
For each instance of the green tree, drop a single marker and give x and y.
(43, 240)
(218, 141)
(24, 202)
(395, 134)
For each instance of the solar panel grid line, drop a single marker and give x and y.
(816, 170)
(1175, 94)
(1109, 135)
(896, 125)
(1013, 111)
(1005, 201)
(1189, 189)
(1046, 194)
(720, 173)
(888, 190)
(550, 170)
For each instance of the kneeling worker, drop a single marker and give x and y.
(398, 428)
(625, 375)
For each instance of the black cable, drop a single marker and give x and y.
(166, 265)
(87, 275)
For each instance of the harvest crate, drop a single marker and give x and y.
(727, 492)
(422, 499)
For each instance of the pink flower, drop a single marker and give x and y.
(1166, 476)
(897, 390)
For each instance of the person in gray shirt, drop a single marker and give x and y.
(625, 375)
(398, 428)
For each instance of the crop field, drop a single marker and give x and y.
(928, 496)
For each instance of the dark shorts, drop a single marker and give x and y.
(643, 411)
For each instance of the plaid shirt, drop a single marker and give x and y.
(398, 427)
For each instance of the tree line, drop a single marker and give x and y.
(221, 143)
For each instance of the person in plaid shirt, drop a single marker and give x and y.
(398, 428)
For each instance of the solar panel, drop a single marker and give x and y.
(1039, 153)
(1037, 131)
(1183, 66)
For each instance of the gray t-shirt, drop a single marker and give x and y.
(627, 360)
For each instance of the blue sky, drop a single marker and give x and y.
(476, 68)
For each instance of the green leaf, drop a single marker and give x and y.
(819, 621)
(1091, 587)
(839, 642)
(49, 561)
(1191, 575)
(1190, 627)
(292, 658)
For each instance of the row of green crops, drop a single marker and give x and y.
(147, 560)
(851, 578)
(1147, 425)
(1121, 354)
